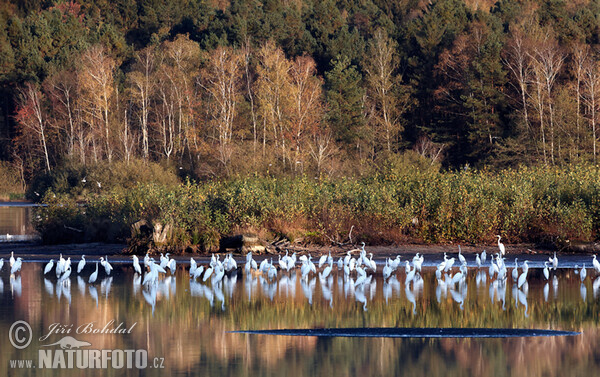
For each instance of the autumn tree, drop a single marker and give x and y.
(223, 82)
(387, 97)
(306, 104)
(96, 80)
(273, 96)
(33, 126)
(142, 87)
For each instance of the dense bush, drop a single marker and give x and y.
(548, 205)
(11, 186)
(78, 181)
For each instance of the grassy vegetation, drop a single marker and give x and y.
(543, 205)
(11, 186)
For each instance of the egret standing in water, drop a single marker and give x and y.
(583, 273)
(11, 261)
(107, 267)
(94, 275)
(515, 271)
(49, 266)
(554, 261)
(546, 271)
(136, 265)
(16, 267)
(596, 264)
(523, 277)
(501, 245)
(81, 264)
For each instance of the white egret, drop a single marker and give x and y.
(410, 275)
(207, 273)
(172, 265)
(322, 260)
(94, 275)
(461, 258)
(16, 267)
(107, 267)
(197, 272)
(81, 264)
(66, 275)
(49, 266)
(11, 260)
(546, 272)
(387, 270)
(326, 271)
(583, 273)
(136, 264)
(596, 264)
(60, 265)
(501, 245)
(554, 261)
(478, 261)
(523, 277)
(371, 263)
(347, 258)
(483, 257)
(515, 271)
(272, 273)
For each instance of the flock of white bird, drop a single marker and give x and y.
(357, 272)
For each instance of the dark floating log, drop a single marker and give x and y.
(408, 332)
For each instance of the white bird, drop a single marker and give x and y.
(172, 265)
(387, 271)
(323, 259)
(478, 261)
(347, 258)
(147, 260)
(207, 273)
(596, 264)
(81, 264)
(48, 267)
(326, 271)
(410, 275)
(483, 257)
(11, 260)
(66, 275)
(418, 262)
(164, 260)
(197, 272)
(94, 275)
(136, 264)
(554, 261)
(583, 273)
(283, 262)
(16, 267)
(515, 271)
(523, 277)
(461, 258)
(546, 272)
(501, 245)
(60, 265)
(107, 267)
(371, 263)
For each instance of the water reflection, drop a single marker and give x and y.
(197, 316)
(15, 222)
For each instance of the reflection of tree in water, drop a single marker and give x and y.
(192, 335)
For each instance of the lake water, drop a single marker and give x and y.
(15, 222)
(186, 326)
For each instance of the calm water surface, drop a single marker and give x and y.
(187, 324)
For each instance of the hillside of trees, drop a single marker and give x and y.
(222, 88)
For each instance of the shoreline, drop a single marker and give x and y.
(119, 253)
